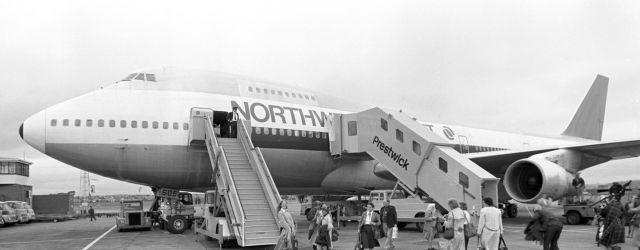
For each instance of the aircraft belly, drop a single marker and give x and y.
(294, 171)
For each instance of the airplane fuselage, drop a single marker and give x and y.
(135, 132)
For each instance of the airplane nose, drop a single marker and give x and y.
(32, 131)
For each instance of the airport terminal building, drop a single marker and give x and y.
(14, 175)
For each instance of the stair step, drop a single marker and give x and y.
(261, 234)
(261, 241)
(250, 229)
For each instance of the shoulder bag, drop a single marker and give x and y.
(449, 232)
(469, 229)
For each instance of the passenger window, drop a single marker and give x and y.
(279, 93)
(140, 77)
(250, 89)
(313, 98)
(442, 164)
(267, 131)
(306, 97)
(265, 91)
(123, 123)
(383, 124)
(89, 123)
(134, 124)
(101, 123)
(151, 77)
(54, 122)
(303, 133)
(289, 132)
(145, 124)
(399, 135)
(317, 135)
(165, 125)
(281, 131)
(352, 128)
(258, 130)
(299, 95)
(176, 126)
(112, 123)
(324, 135)
(286, 94)
(296, 133)
(273, 92)
(77, 122)
(155, 125)
(416, 148)
(258, 90)
(185, 126)
(463, 180)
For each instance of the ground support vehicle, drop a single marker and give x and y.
(132, 216)
(173, 210)
(211, 221)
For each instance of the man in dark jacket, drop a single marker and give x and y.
(92, 214)
(389, 220)
(232, 120)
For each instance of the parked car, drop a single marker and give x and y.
(8, 214)
(21, 211)
(30, 212)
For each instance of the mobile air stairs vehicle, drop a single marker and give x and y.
(414, 154)
(246, 195)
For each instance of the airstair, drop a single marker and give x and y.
(414, 154)
(248, 194)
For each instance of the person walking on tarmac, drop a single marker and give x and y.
(389, 219)
(578, 183)
(232, 119)
(92, 213)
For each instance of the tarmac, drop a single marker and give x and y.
(101, 234)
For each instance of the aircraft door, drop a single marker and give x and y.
(464, 144)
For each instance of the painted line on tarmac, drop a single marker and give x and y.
(99, 237)
(41, 241)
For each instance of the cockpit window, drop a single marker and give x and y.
(129, 77)
(141, 76)
(151, 77)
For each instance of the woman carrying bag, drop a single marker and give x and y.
(454, 231)
(369, 223)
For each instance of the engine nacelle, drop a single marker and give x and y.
(527, 179)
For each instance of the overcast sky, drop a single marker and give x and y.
(519, 66)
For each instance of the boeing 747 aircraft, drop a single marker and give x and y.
(137, 130)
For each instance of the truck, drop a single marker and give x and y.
(173, 210)
(132, 216)
(410, 208)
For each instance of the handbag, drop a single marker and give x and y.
(503, 244)
(469, 229)
(334, 235)
(394, 232)
(449, 231)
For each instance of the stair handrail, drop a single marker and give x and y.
(261, 167)
(226, 173)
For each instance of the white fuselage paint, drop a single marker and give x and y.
(161, 156)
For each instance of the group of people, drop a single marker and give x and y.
(374, 226)
(613, 216)
(488, 231)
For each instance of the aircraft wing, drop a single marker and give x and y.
(498, 161)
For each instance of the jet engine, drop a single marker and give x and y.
(527, 179)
